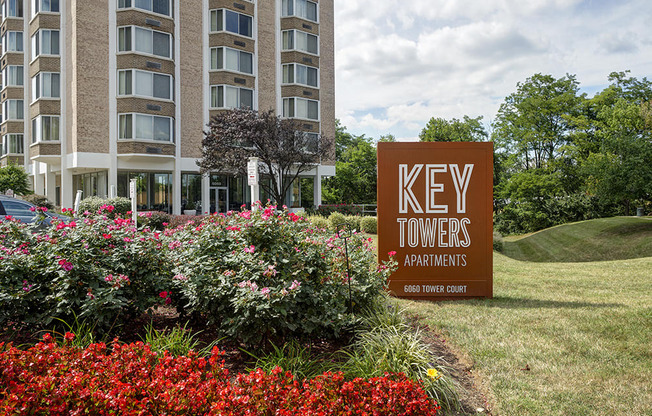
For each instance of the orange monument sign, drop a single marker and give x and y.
(435, 210)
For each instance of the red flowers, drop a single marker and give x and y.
(391, 253)
(131, 380)
(65, 265)
(166, 295)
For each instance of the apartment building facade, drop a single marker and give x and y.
(96, 93)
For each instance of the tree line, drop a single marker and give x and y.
(559, 155)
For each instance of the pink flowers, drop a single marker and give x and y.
(295, 285)
(250, 249)
(391, 253)
(65, 265)
(174, 244)
(270, 271)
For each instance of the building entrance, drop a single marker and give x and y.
(219, 199)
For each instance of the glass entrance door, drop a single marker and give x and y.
(219, 200)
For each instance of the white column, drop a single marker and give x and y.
(205, 195)
(113, 98)
(50, 184)
(39, 180)
(317, 186)
(176, 175)
(67, 195)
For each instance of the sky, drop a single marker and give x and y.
(400, 62)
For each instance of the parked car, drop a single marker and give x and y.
(25, 211)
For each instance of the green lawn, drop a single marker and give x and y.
(602, 239)
(583, 329)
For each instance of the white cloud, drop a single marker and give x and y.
(399, 63)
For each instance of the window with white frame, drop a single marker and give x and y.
(139, 39)
(12, 8)
(296, 40)
(49, 6)
(304, 9)
(312, 142)
(230, 21)
(295, 107)
(145, 127)
(227, 96)
(45, 42)
(45, 129)
(145, 84)
(13, 110)
(232, 60)
(163, 7)
(12, 76)
(12, 144)
(300, 74)
(12, 42)
(45, 85)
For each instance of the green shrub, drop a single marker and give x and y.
(344, 209)
(319, 222)
(353, 221)
(94, 204)
(100, 268)
(39, 201)
(156, 220)
(369, 225)
(269, 275)
(334, 220)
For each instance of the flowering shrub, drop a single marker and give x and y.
(254, 274)
(90, 267)
(267, 273)
(132, 380)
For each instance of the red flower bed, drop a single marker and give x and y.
(132, 380)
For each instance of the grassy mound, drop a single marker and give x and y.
(618, 238)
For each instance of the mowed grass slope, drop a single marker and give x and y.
(594, 240)
(559, 338)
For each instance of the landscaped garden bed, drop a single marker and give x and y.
(266, 282)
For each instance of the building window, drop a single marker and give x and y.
(296, 40)
(138, 39)
(91, 184)
(304, 9)
(51, 6)
(13, 110)
(12, 8)
(153, 190)
(145, 84)
(12, 42)
(191, 191)
(12, 76)
(45, 42)
(45, 129)
(145, 127)
(232, 60)
(301, 108)
(312, 142)
(45, 85)
(230, 21)
(300, 74)
(157, 6)
(227, 96)
(12, 144)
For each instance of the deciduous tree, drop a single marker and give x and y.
(284, 152)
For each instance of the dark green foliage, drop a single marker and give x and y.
(442, 130)
(15, 178)
(39, 201)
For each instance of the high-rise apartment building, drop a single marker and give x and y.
(98, 92)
